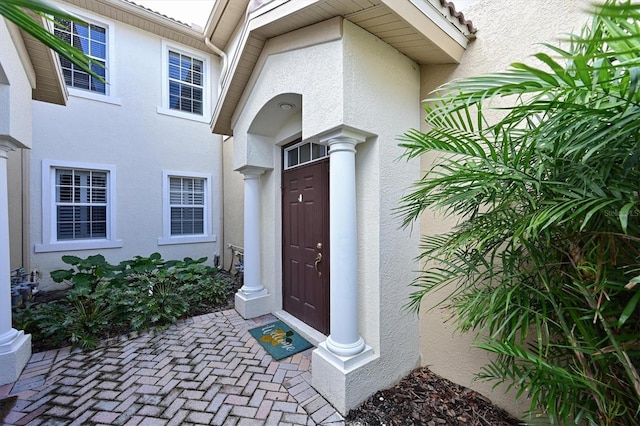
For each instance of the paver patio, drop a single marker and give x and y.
(204, 370)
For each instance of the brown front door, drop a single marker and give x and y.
(305, 235)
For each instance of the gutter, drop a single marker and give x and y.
(144, 13)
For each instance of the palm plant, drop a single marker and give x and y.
(21, 13)
(545, 259)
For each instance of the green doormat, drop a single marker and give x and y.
(279, 340)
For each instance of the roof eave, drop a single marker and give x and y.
(121, 10)
(445, 36)
(41, 64)
(224, 19)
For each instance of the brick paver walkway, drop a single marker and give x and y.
(206, 370)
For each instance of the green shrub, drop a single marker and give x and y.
(86, 274)
(136, 294)
(545, 258)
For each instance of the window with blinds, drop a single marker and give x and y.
(187, 205)
(186, 83)
(81, 204)
(90, 39)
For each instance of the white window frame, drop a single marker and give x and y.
(167, 238)
(50, 240)
(206, 83)
(300, 162)
(110, 95)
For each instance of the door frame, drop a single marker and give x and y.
(326, 236)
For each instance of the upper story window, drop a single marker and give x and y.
(92, 40)
(185, 83)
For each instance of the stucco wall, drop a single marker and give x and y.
(355, 81)
(138, 140)
(233, 208)
(16, 77)
(17, 182)
(15, 127)
(284, 70)
(508, 31)
(381, 96)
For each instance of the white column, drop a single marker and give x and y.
(250, 299)
(344, 339)
(15, 346)
(252, 285)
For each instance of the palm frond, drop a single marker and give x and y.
(545, 253)
(14, 11)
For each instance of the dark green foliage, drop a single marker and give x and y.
(137, 294)
(546, 256)
(86, 274)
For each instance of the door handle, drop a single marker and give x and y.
(315, 265)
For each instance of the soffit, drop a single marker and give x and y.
(41, 64)
(436, 39)
(50, 85)
(145, 19)
(220, 30)
(397, 22)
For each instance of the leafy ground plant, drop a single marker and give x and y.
(545, 259)
(137, 294)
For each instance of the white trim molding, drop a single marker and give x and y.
(206, 83)
(207, 236)
(110, 96)
(15, 346)
(50, 242)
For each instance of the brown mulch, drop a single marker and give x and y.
(426, 399)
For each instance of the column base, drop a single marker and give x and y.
(345, 351)
(252, 305)
(343, 381)
(344, 363)
(14, 356)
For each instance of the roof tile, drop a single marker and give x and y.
(458, 15)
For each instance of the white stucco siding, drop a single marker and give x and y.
(233, 206)
(130, 133)
(16, 193)
(15, 87)
(361, 83)
(382, 89)
(508, 31)
(315, 73)
(382, 96)
(15, 128)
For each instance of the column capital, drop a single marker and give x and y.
(8, 144)
(251, 171)
(344, 135)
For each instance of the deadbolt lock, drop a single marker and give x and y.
(319, 246)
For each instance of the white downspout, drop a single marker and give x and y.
(223, 55)
(223, 71)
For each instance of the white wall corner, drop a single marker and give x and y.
(341, 381)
